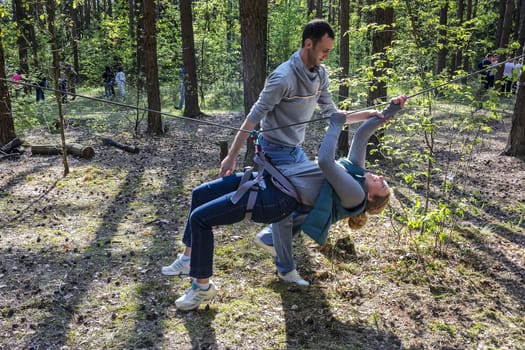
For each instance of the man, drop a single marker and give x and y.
(489, 76)
(290, 95)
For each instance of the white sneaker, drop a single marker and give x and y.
(294, 277)
(270, 249)
(195, 296)
(177, 268)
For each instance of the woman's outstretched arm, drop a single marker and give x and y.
(347, 188)
(357, 153)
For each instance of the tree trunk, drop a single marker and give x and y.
(138, 16)
(7, 126)
(502, 4)
(521, 28)
(443, 51)
(150, 64)
(191, 98)
(311, 7)
(344, 63)
(51, 9)
(506, 26)
(344, 47)
(23, 34)
(8, 147)
(468, 17)
(75, 38)
(132, 21)
(111, 142)
(458, 55)
(253, 18)
(319, 9)
(381, 39)
(516, 141)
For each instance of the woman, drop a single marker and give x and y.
(211, 206)
(345, 184)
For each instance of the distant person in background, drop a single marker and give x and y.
(108, 77)
(120, 78)
(62, 85)
(71, 77)
(516, 75)
(182, 89)
(17, 77)
(508, 68)
(41, 85)
(488, 78)
(492, 73)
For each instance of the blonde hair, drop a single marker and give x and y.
(373, 207)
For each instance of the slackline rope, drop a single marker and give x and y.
(409, 96)
(146, 109)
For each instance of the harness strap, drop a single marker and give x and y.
(278, 179)
(247, 183)
(253, 185)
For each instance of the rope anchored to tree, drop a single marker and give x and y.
(166, 114)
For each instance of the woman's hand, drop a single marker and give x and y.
(400, 100)
(355, 117)
(394, 106)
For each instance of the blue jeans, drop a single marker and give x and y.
(211, 205)
(182, 93)
(281, 155)
(108, 88)
(282, 230)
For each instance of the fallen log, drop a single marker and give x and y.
(129, 149)
(86, 152)
(10, 155)
(10, 145)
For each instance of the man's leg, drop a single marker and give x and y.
(264, 238)
(282, 238)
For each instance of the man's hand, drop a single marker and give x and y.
(227, 166)
(356, 117)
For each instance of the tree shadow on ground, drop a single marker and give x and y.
(95, 261)
(311, 323)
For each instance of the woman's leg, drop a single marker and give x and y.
(200, 195)
(207, 192)
(220, 211)
(271, 205)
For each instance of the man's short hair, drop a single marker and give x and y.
(316, 29)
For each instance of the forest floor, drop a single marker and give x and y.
(80, 255)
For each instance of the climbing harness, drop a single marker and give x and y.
(254, 182)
